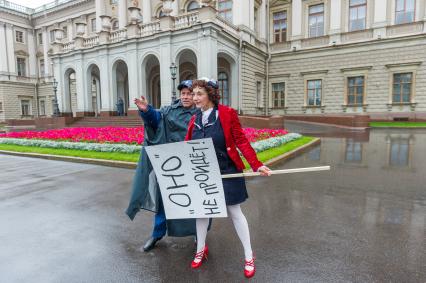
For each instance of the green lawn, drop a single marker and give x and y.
(277, 151)
(397, 124)
(134, 157)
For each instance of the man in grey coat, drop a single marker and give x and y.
(169, 124)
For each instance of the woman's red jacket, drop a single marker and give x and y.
(234, 137)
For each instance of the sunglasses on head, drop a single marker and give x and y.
(210, 82)
(187, 83)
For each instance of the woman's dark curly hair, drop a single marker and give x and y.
(211, 88)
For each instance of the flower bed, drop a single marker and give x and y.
(118, 135)
(258, 146)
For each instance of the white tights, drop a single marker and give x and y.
(240, 224)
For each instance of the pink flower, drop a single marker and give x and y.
(119, 134)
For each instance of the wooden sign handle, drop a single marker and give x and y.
(276, 172)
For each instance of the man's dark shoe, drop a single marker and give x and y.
(150, 244)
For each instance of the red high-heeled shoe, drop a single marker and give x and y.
(200, 256)
(248, 272)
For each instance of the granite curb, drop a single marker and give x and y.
(132, 165)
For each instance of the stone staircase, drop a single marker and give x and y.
(117, 121)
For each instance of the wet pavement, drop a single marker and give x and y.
(364, 221)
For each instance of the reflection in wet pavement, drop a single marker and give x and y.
(364, 221)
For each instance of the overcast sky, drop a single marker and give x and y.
(31, 3)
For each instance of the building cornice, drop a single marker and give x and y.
(57, 8)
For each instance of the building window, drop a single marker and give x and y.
(404, 11)
(278, 95)
(25, 108)
(42, 107)
(19, 36)
(402, 87)
(223, 87)
(280, 26)
(65, 29)
(115, 24)
(259, 94)
(1, 106)
(42, 68)
(399, 152)
(353, 152)
(356, 86)
(113, 2)
(314, 92)
(52, 36)
(40, 38)
(316, 20)
(93, 25)
(20, 66)
(357, 14)
(255, 20)
(225, 9)
(193, 6)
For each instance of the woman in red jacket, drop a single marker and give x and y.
(221, 123)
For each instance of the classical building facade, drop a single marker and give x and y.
(295, 58)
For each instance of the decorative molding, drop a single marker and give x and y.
(406, 64)
(360, 68)
(21, 53)
(313, 72)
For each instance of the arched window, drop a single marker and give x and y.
(193, 6)
(223, 88)
(224, 8)
(160, 13)
(114, 25)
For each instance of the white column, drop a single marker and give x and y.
(380, 7)
(263, 25)
(133, 74)
(106, 93)
(296, 21)
(335, 19)
(175, 8)
(57, 72)
(242, 12)
(80, 81)
(207, 65)
(146, 11)
(424, 17)
(165, 62)
(335, 16)
(122, 13)
(32, 53)
(380, 21)
(46, 43)
(71, 30)
(10, 39)
(3, 50)
(100, 11)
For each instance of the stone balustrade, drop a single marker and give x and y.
(186, 20)
(68, 46)
(150, 28)
(118, 35)
(203, 15)
(91, 41)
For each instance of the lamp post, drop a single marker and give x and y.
(55, 100)
(173, 70)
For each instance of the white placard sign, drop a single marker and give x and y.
(189, 177)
